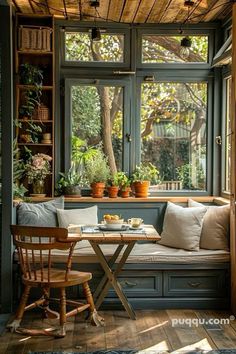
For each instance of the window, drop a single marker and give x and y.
(166, 49)
(80, 48)
(149, 110)
(173, 132)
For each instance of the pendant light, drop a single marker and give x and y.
(186, 42)
(95, 32)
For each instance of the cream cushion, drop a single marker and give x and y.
(85, 216)
(215, 229)
(182, 227)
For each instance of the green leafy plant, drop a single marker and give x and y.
(70, 182)
(123, 180)
(97, 168)
(30, 74)
(19, 189)
(113, 180)
(145, 172)
(32, 100)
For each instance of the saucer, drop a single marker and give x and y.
(135, 228)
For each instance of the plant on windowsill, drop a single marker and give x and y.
(124, 184)
(98, 172)
(70, 183)
(113, 185)
(141, 178)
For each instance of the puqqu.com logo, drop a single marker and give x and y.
(201, 321)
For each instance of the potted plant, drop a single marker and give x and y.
(113, 185)
(30, 74)
(97, 171)
(70, 183)
(31, 101)
(143, 174)
(37, 168)
(124, 184)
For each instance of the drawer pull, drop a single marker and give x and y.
(128, 283)
(194, 285)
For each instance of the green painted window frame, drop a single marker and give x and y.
(175, 71)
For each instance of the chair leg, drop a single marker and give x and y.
(20, 310)
(95, 318)
(62, 331)
(47, 312)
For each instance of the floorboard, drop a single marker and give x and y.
(152, 331)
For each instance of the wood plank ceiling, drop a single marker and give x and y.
(130, 11)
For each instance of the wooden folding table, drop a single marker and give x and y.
(125, 241)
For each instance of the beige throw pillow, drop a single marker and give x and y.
(215, 229)
(78, 216)
(182, 227)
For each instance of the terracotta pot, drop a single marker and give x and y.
(124, 193)
(112, 191)
(97, 189)
(141, 189)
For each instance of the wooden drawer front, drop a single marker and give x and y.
(195, 283)
(136, 286)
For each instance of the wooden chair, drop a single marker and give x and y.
(35, 246)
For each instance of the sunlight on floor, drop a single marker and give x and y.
(162, 347)
(153, 327)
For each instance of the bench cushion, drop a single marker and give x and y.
(182, 227)
(215, 228)
(149, 253)
(39, 214)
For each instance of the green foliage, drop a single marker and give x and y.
(145, 172)
(185, 173)
(113, 180)
(31, 102)
(123, 180)
(30, 74)
(80, 151)
(18, 173)
(97, 168)
(79, 47)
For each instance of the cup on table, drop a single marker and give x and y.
(135, 222)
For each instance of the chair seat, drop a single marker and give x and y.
(57, 278)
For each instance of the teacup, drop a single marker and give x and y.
(135, 222)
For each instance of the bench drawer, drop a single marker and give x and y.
(195, 283)
(148, 285)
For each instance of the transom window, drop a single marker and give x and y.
(167, 49)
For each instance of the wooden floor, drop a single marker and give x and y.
(153, 331)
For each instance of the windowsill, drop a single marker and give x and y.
(174, 199)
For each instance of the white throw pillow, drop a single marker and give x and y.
(78, 216)
(215, 229)
(182, 227)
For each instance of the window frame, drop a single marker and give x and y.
(175, 32)
(126, 110)
(162, 71)
(164, 76)
(108, 30)
(226, 76)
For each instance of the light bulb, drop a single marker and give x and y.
(184, 52)
(185, 46)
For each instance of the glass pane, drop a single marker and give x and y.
(167, 49)
(228, 134)
(97, 120)
(173, 133)
(79, 47)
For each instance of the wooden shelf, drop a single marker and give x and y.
(33, 87)
(34, 52)
(35, 121)
(44, 60)
(35, 144)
